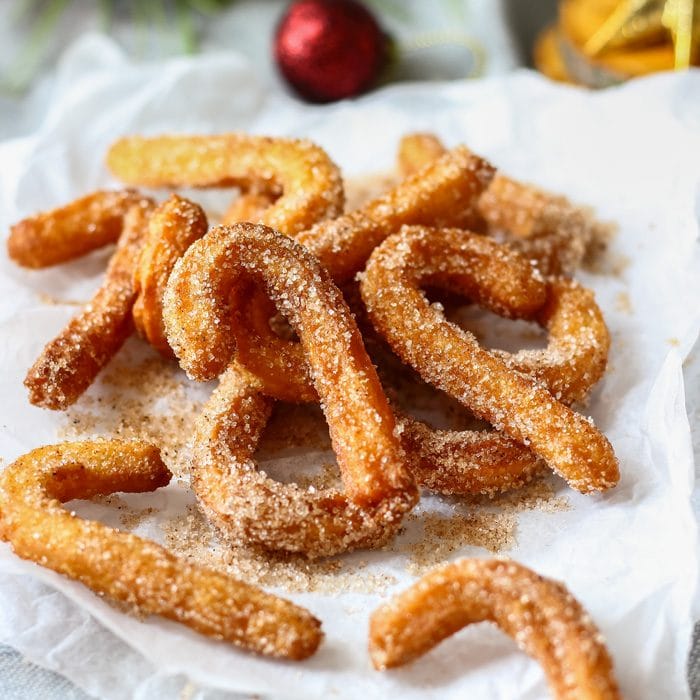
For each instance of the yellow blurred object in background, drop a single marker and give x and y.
(603, 42)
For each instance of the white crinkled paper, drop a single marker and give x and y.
(630, 555)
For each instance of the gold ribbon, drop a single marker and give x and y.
(638, 23)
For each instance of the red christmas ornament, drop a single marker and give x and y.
(329, 49)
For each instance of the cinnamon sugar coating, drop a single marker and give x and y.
(444, 193)
(451, 359)
(279, 364)
(450, 462)
(541, 616)
(126, 568)
(173, 227)
(70, 231)
(576, 355)
(464, 462)
(71, 361)
(540, 225)
(247, 505)
(544, 227)
(362, 425)
(307, 181)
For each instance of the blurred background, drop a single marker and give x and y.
(323, 50)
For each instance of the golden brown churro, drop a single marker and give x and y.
(126, 568)
(379, 488)
(248, 207)
(172, 228)
(543, 618)
(451, 359)
(72, 230)
(307, 181)
(544, 227)
(71, 361)
(443, 193)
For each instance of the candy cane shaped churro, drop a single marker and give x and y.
(71, 361)
(300, 174)
(126, 568)
(541, 615)
(379, 489)
(451, 359)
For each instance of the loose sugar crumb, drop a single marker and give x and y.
(131, 519)
(597, 251)
(192, 537)
(142, 399)
(611, 264)
(445, 535)
(539, 495)
(293, 425)
(112, 501)
(623, 303)
(489, 522)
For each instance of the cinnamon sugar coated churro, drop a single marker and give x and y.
(70, 362)
(277, 363)
(379, 488)
(307, 181)
(127, 568)
(249, 207)
(66, 233)
(544, 227)
(451, 359)
(172, 228)
(576, 355)
(543, 618)
(417, 150)
(443, 193)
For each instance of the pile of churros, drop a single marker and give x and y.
(291, 298)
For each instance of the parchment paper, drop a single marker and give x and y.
(630, 555)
